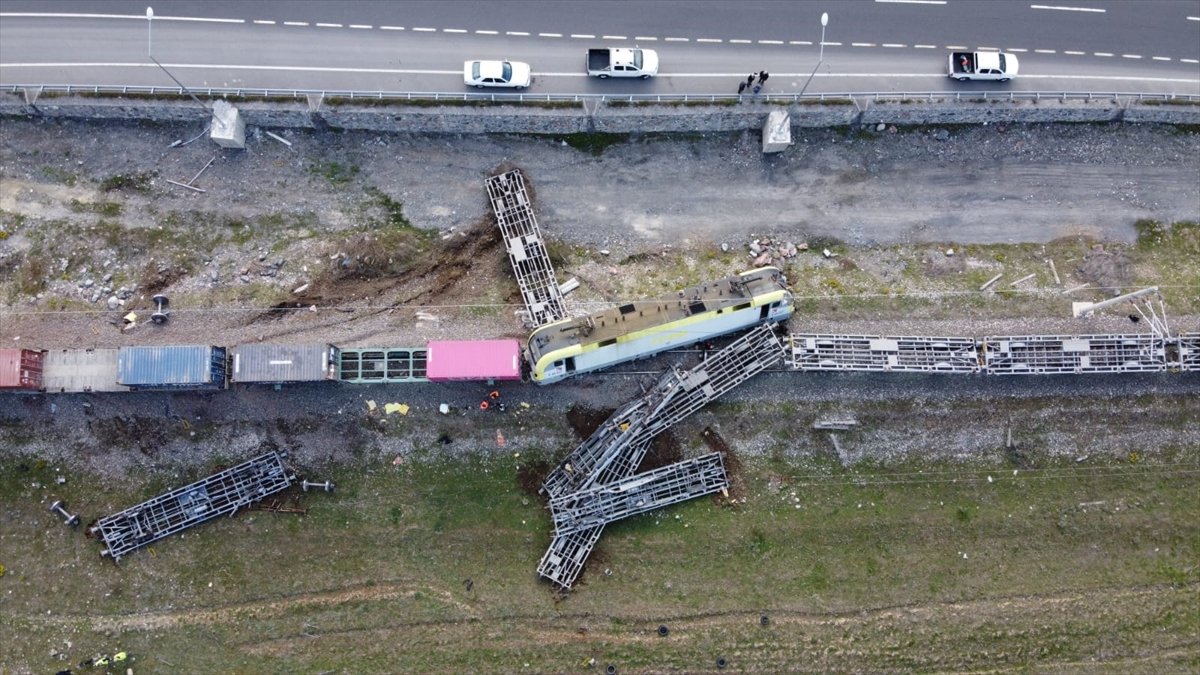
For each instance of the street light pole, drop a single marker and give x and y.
(821, 57)
(149, 31)
(150, 53)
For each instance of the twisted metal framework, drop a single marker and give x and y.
(595, 485)
(220, 494)
(526, 249)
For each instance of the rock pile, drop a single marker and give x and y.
(766, 251)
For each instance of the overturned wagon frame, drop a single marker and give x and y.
(222, 493)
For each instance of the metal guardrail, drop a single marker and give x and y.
(399, 96)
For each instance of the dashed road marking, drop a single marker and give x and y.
(1189, 61)
(487, 32)
(583, 36)
(710, 40)
(550, 35)
(957, 48)
(361, 26)
(1068, 51)
(894, 45)
(614, 37)
(862, 44)
(422, 29)
(517, 33)
(924, 46)
(1068, 9)
(453, 30)
(644, 38)
(1161, 58)
(329, 25)
(140, 17)
(741, 42)
(264, 22)
(1101, 53)
(1045, 51)
(1017, 50)
(770, 42)
(799, 42)
(1131, 56)
(675, 39)
(295, 23)
(391, 28)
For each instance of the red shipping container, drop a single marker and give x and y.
(21, 369)
(474, 360)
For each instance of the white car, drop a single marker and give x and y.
(512, 74)
(997, 66)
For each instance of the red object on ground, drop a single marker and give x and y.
(473, 360)
(21, 369)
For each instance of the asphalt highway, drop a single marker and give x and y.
(705, 47)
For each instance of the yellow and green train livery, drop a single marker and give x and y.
(646, 327)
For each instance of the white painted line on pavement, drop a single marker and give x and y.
(987, 49)
(716, 40)
(799, 42)
(1067, 51)
(613, 37)
(645, 38)
(139, 17)
(549, 34)
(893, 45)
(924, 46)
(361, 26)
(1189, 61)
(487, 32)
(1068, 9)
(264, 22)
(295, 23)
(583, 36)
(518, 33)
(671, 39)
(329, 25)
(770, 42)
(453, 30)
(862, 44)
(391, 28)
(1101, 53)
(331, 69)
(832, 44)
(914, 2)
(1017, 50)
(1131, 56)
(1161, 58)
(420, 29)
(957, 48)
(740, 42)
(1193, 18)
(1045, 51)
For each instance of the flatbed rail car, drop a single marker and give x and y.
(643, 328)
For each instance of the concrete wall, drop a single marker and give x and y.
(614, 117)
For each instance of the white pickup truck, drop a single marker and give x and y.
(606, 63)
(997, 66)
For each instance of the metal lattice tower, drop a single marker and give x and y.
(1189, 352)
(218, 495)
(903, 354)
(608, 458)
(638, 494)
(523, 241)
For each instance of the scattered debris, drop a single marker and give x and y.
(59, 506)
(444, 408)
(371, 406)
(1027, 277)
(835, 424)
(326, 486)
(389, 408)
(1054, 271)
(279, 138)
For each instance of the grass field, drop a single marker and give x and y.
(429, 566)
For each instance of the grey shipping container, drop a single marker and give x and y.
(274, 363)
(175, 367)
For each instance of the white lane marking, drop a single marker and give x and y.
(583, 36)
(487, 32)
(799, 42)
(425, 30)
(987, 49)
(1161, 58)
(140, 17)
(1068, 51)
(893, 45)
(1102, 53)
(924, 46)
(332, 69)
(361, 26)
(453, 30)
(1068, 9)
(1189, 61)
(1131, 56)
(740, 42)
(1045, 51)
(862, 44)
(914, 2)
(645, 38)
(708, 40)
(770, 42)
(613, 37)
(671, 39)
(391, 28)
(1193, 18)
(264, 22)
(957, 48)
(518, 33)
(329, 25)
(295, 23)
(549, 34)
(1018, 50)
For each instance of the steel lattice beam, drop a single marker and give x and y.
(526, 249)
(220, 494)
(885, 354)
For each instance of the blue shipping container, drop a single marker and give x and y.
(176, 367)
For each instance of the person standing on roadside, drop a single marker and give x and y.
(741, 88)
(750, 80)
(762, 77)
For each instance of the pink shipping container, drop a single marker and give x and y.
(21, 369)
(474, 360)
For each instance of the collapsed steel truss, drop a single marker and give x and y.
(1189, 352)
(222, 493)
(526, 249)
(595, 485)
